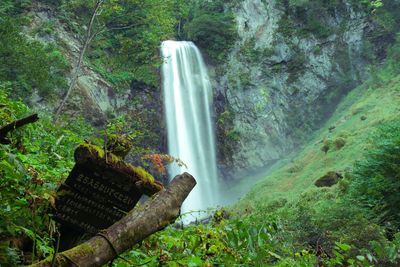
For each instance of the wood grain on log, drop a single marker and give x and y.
(158, 212)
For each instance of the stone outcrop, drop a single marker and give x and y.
(283, 78)
(329, 179)
(94, 97)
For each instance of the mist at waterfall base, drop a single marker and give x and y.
(188, 106)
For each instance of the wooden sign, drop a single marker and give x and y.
(90, 201)
(97, 192)
(107, 187)
(82, 213)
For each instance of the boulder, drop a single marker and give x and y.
(329, 179)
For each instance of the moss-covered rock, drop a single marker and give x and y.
(329, 179)
(119, 145)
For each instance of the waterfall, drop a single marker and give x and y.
(188, 103)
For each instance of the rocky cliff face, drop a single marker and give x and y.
(94, 97)
(287, 71)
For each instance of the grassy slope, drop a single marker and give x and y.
(378, 103)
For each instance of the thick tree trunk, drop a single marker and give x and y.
(14, 125)
(138, 224)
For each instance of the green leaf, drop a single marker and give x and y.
(194, 261)
(360, 258)
(273, 254)
(343, 247)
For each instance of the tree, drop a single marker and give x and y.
(88, 38)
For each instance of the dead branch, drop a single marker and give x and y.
(14, 125)
(86, 43)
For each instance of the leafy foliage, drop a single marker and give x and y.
(375, 181)
(31, 168)
(211, 28)
(159, 161)
(28, 64)
(13, 7)
(220, 242)
(256, 239)
(129, 34)
(361, 212)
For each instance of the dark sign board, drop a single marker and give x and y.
(90, 201)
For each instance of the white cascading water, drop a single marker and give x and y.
(188, 103)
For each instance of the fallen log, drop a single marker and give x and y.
(158, 212)
(14, 125)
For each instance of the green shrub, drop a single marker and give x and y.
(362, 212)
(386, 15)
(13, 7)
(375, 181)
(327, 145)
(212, 29)
(394, 56)
(39, 157)
(339, 143)
(29, 65)
(298, 3)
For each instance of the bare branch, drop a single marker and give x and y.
(86, 43)
(14, 125)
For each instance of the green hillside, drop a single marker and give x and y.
(346, 136)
